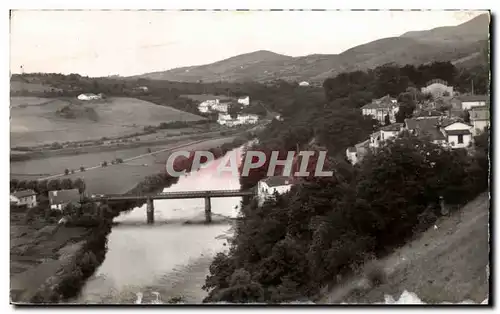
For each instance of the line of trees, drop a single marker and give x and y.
(43, 187)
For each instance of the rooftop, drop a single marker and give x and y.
(429, 113)
(23, 193)
(458, 132)
(470, 98)
(480, 113)
(392, 127)
(381, 103)
(64, 196)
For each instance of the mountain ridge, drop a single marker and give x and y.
(446, 43)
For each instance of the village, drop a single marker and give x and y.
(446, 118)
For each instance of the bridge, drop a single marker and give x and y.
(149, 198)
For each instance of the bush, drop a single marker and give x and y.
(66, 171)
(104, 164)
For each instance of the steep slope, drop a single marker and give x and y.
(451, 43)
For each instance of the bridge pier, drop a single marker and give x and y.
(150, 211)
(208, 210)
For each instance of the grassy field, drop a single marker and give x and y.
(35, 121)
(18, 86)
(121, 178)
(118, 178)
(445, 264)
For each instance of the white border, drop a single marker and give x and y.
(186, 4)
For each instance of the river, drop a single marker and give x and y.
(154, 263)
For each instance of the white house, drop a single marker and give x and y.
(245, 101)
(304, 83)
(437, 88)
(390, 131)
(24, 198)
(466, 102)
(458, 134)
(221, 106)
(59, 199)
(275, 184)
(207, 105)
(380, 108)
(480, 118)
(224, 118)
(89, 96)
(247, 118)
(443, 131)
(356, 153)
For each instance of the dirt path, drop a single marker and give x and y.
(447, 264)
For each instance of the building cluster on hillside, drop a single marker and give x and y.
(222, 104)
(440, 120)
(241, 119)
(380, 108)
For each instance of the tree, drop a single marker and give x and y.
(21, 185)
(66, 184)
(66, 172)
(13, 184)
(104, 164)
(466, 116)
(387, 120)
(80, 185)
(82, 169)
(54, 185)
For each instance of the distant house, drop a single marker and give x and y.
(245, 101)
(60, 199)
(466, 102)
(390, 131)
(247, 118)
(379, 108)
(385, 133)
(458, 134)
(437, 88)
(480, 118)
(356, 153)
(304, 83)
(275, 184)
(221, 106)
(224, 119)
(89, 96)
(143, 88)
(23, 198)
(452, 133)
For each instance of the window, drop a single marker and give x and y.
(460, 139)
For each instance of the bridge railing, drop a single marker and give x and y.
(187, 194)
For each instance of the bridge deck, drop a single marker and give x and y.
(175, 195)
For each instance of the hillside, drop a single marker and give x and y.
(36, 120)
(450, 43)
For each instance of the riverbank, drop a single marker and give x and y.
(44, 255)
(58, 259)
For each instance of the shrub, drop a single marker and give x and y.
(66, 171)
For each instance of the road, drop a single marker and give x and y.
(446, 263)
(128, 159)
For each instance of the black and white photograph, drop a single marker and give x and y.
(260, 157)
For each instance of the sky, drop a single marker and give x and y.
(102, 43)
